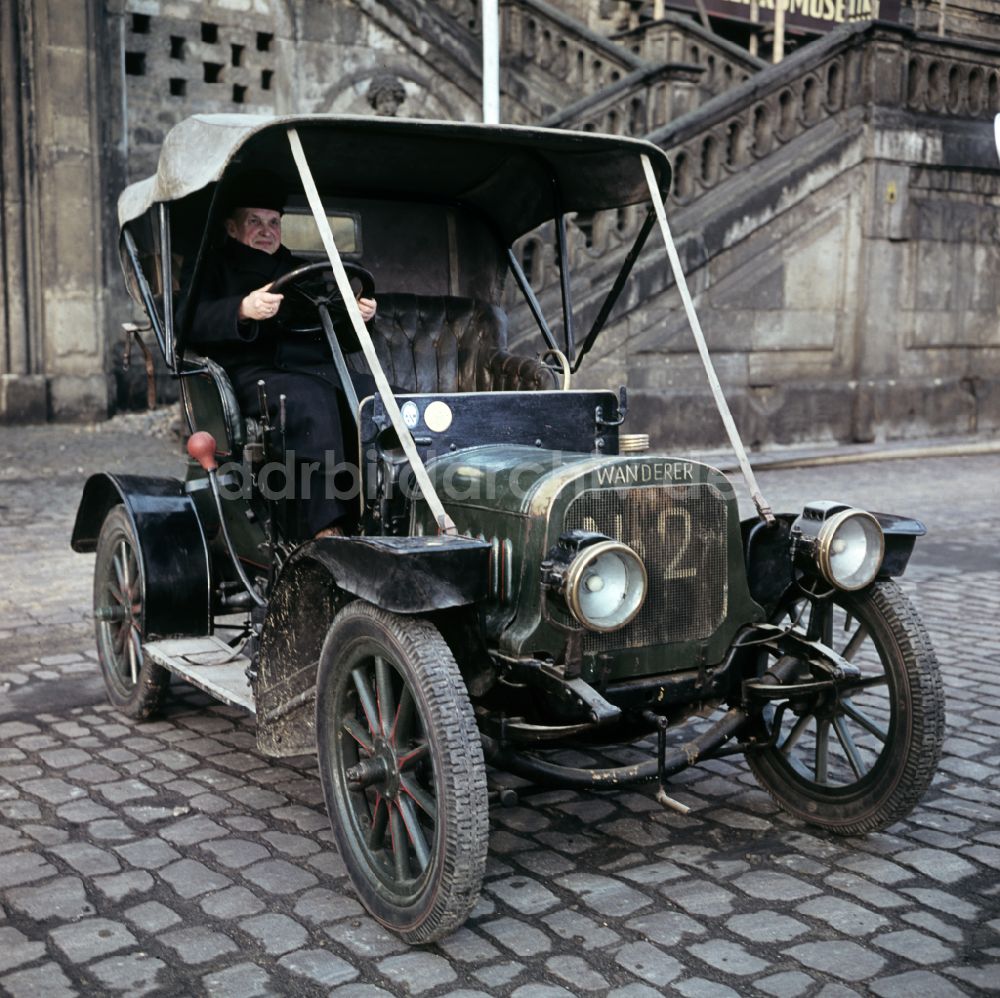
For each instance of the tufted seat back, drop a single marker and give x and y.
(433, 343)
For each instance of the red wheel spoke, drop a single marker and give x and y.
(850, 749)
(133, 574)
(852, 646)
(380, 821)
(795, 734)
(356, 730)
(386, 698)
(425, 801)
(402, 725)
(415, 832)
(822, 750)
(120, 564)
(860, 717)
(869, 681)
(407, 760)
(400, 845)
(367, 699)
(134, 654)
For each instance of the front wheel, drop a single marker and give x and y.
(858, 756)
(402, 770)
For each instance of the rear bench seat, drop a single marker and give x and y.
(435, 343)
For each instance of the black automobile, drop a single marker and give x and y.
(525, 575)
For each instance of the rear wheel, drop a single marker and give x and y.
(859, 755)
(135, 684)
(402, 770)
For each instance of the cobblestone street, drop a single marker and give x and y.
(171, 858)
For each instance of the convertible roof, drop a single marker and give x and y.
(518, 177)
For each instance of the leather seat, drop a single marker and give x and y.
(434, 343)
(425, 343)
(210, 403)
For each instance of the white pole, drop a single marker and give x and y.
(778, 52)
(491, 62)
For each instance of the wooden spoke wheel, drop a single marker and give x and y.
(402, 769)
(858, 755)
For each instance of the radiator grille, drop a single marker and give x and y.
(679, 531)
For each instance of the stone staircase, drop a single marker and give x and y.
(837, 215)
(838, 218)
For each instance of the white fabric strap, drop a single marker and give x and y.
(763, 508)
(444, 522)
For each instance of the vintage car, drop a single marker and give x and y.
(526, 577)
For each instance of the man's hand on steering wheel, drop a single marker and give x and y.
(261, 304)
(367, 307)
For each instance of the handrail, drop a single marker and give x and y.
(686, 26)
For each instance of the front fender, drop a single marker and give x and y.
(172, 550)
(401, 574)
(768, 552)
(406, 574)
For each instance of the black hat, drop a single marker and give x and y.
(256, 189)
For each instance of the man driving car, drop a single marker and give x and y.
(236, 321)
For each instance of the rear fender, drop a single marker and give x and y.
(411, 575)
(172, 550)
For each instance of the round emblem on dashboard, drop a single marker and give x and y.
(438, 416)
(410, 414)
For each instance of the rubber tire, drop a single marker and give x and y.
(452, 880)
(906, 766)
(145, 698)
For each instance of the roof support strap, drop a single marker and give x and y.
(763, 508)
(444, 522)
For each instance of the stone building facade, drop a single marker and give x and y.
(88, 89)
(839, 214)
(839, 220)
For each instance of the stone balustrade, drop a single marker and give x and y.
(636, 104)
(679, 39)
(921, 73)
(551, 58)
(855, 65)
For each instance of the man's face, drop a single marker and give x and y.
(259, 228)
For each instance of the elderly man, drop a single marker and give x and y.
(233, 322)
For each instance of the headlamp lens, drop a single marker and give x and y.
(606, 586)
(850, 547)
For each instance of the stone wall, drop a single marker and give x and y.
(88, 90)
(182, 57)
(53, 197)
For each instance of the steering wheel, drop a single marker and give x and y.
(311, 286)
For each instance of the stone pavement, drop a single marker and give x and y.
(171, 858)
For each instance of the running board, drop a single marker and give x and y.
(208, 663)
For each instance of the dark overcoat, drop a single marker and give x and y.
(298, 366)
